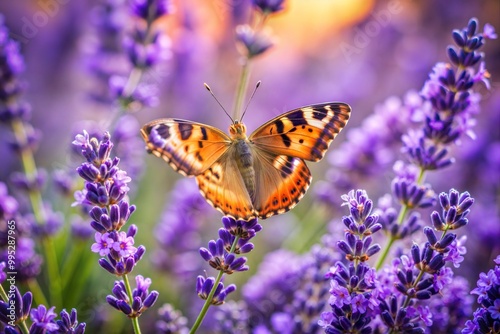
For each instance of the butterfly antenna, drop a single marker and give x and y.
(213, 95)
(250, 99)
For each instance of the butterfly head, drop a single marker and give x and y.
(237, 130)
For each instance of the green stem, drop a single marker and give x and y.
(135, 320)
(421, 175)
(207, 304)
(242, 88)
(385, 252)
(3, 294)
(24, 328)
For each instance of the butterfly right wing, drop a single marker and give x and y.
(190, 148)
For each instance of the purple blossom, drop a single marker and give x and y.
(486, 317)
(205, 285)
(339, 295)
(142, 297)
(43, 319)
(124, 245)
(22, 306)
(68, 324)
(103, 244)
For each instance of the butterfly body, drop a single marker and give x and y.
(257, 176)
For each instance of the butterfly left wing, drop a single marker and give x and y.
(304, 133)
(190, 148)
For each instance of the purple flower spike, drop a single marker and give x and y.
(205, 285)
(141, 301)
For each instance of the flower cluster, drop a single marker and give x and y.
(142, 299)
(453, 101)
(17, 309)
(395, 298)
(222, 255)
(353, 295)
(487, 316)
(105, 193)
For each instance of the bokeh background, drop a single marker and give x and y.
(322, 52)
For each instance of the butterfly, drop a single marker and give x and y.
(258, 176)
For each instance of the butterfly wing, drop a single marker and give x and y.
(280, 147)
(304, 133)
(189, 147)
(224, 188)
(281, 183)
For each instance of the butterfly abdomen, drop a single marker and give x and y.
(244, 160)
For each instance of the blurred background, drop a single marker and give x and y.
(361, 52)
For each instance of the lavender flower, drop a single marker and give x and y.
(106, 189)
(454, 103)
(43, 320)
(22, 306)
(142, 298)
(487, 316)
(68, 324)
(353, 295)
(204, 287)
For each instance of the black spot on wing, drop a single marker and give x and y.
(186, 130)
(319, 113)
(280, 127)
(297, 118)
(287, 168)
(286, 140)
(162, 130)
(203, 133)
